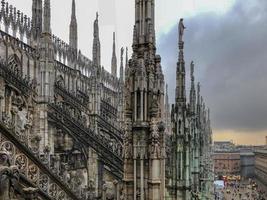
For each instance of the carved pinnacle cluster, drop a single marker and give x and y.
(96, 44)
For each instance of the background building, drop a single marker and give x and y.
(227, 163)
(223, 146)
(261, 168)
(247, 164)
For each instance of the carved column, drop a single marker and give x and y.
(142, 177)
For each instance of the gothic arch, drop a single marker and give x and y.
(14, 64)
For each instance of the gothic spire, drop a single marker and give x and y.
(121, 67)
(180, 72)
(47, 17)
(37, 18)
(192, 90)
(96, 44)
(114, 58)
(73, 36)
(144, 21)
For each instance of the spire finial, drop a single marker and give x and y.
(73, 35)
(73, 14)
(114, 58)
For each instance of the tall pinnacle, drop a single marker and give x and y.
(37, 18)
(166, 99)
(114, 58)
(96, 44)
(180, 72)
(73, 36)
(121, 67)
(192, 90)
(47, 17)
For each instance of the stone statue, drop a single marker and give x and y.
(9, 176)
(192, 68)
(181, 30)
(4, 175)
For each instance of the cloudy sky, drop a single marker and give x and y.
(225, 38)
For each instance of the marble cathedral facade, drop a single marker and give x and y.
(69, 129)
(61, 114)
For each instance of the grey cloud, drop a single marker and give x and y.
(230, 54)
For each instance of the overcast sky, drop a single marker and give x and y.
(225, 38)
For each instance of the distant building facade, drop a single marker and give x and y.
(261, 167)
(227, 163)
(223, 146)
(247, 164)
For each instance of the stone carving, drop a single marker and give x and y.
(9, 176)
(22, 163)
(15, 65)
(53, 190)
(155, 139)
(44, 182)
(127, 146)
(31, 193)
(33, 173)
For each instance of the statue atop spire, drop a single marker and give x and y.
(181, 29)
(114, 58)
(180, 76)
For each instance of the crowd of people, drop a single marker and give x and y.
(241, 190)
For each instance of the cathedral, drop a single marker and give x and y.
(70, 130)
